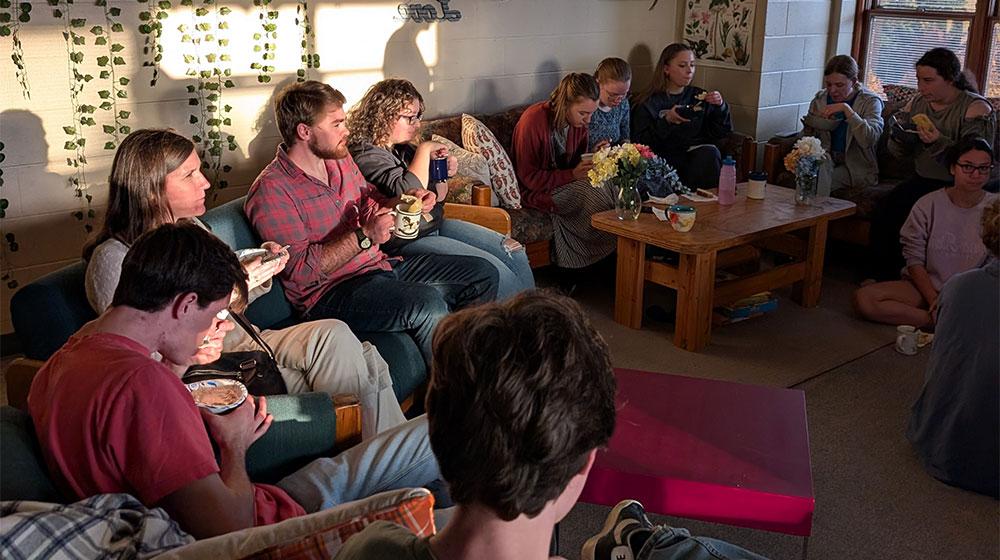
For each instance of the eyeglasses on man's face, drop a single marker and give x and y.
(412, 119)
(969, 169)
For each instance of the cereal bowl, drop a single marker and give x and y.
(217, 395)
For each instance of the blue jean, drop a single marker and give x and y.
(456, 237)
(668, 543)
(400, 457)
(412, 297)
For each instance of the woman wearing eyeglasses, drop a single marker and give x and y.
(384, 126)
(609, 124)
(949, 108)
(940, 238)
(156, 179)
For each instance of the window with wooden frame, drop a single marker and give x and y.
(890, 35)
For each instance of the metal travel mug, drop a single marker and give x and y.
(439, 170)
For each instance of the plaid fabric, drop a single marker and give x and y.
(288, 206)
(415, 514)
(102, 526)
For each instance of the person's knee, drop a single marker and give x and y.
(334, 337)
(863, 301)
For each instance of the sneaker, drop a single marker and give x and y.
(612, 542)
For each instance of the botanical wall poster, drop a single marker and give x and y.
(720, 31)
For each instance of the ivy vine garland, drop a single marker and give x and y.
(269, 37)
(309, 58)
(152, 27)
(110, 97)
(10, 24)
(212, 115)
(82, 113)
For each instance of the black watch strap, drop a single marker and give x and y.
(364, 242)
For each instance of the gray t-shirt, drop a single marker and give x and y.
(383, 539)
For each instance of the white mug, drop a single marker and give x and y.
(906, 340)
(407, 224)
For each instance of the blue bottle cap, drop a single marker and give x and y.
(728, 160)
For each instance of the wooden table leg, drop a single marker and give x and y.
(694, 301)
(630, 279)
(806, 292)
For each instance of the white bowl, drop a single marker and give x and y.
(215, 408)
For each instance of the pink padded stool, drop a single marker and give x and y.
(710, 450)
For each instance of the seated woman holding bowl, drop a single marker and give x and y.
(941, 238)
(847, 119)
(681, 122)
(548, 143)
(384, 127)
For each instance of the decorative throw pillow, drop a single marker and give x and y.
(460, 189)
(479, 139)
(469, 164)
(321, 534)
(898, 96)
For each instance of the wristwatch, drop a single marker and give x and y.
(364, 243)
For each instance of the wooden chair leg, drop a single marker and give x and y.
(348, 412)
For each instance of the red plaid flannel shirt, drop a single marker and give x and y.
(292, 208)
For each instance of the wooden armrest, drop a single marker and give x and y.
(18, 379)
(496, 219)
(348, 412)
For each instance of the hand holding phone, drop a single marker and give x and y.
(272, 256)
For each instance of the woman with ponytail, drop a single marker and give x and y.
(548, 144)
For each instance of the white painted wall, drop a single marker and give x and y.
(502, 53)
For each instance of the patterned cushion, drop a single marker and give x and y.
(470, 164)
(477, 138)
(460, 189)
(899, 96)
(321, 534)
(529, 225)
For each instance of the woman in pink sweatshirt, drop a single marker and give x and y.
(940, 238)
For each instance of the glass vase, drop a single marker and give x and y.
(628, 203)
(806, 184)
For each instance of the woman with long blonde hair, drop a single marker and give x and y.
(549, 142)
(681, 122)
(384, 125)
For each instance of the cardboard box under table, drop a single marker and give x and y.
(711, 450)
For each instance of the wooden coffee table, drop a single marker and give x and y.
(775, 223)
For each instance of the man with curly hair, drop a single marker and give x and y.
(313, 198)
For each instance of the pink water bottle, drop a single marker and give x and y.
(727, 181)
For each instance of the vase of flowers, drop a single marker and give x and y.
(633, 170)
(804, 161)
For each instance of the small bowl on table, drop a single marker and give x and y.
(681, 217)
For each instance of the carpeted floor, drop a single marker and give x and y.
(873, 499)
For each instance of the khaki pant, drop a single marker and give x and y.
(325, 356)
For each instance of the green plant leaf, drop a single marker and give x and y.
(115, 12)
(123, 114)
(121, 94)
(69, 145)
(105, 74)
(69, 129)
(103, 60)
(107, 105)
(97, 30)
(117, 47)
(108, 129)
(192, 101)
(119, 61)
(101, 41)
(125, 129)
(123, 81)
(109, 145)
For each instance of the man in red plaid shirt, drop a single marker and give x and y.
(313, 198)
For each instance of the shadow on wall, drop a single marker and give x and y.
(261, 150)
(402, 58)
(52, 230)
(640, 58)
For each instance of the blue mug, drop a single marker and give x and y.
(439, 170)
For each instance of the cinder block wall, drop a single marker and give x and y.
(501, 53)
(799, 38)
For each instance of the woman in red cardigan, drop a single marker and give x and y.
(549, 142)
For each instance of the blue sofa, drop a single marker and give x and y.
(47, 311)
